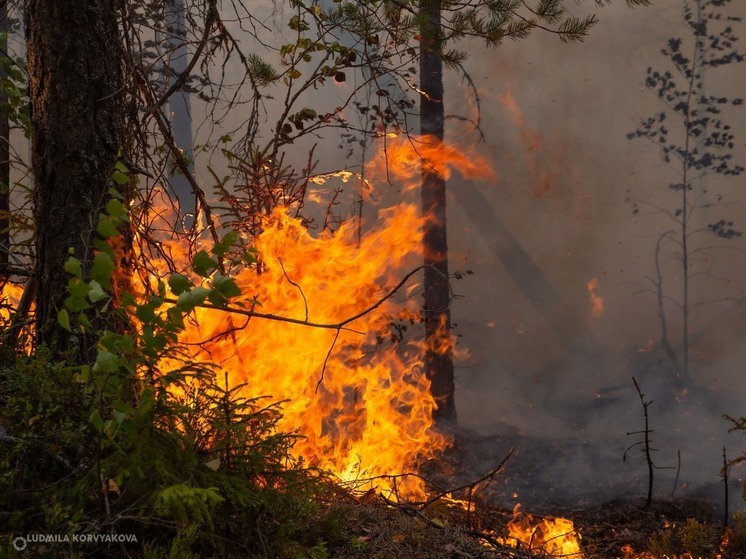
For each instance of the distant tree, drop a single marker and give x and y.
(441, 24)
(695, 140)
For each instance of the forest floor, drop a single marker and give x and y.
(497, 472)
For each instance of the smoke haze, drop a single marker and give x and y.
(580, 199)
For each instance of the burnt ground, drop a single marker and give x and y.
(603, 494)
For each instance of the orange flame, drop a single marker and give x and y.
(597, 302)
(364, 409)
(400, 160)
(554, 537)
(10, 295)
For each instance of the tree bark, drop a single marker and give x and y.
(4, 157)
(437, 293)
(76, 93)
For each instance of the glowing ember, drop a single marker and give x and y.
(10, 295)
(597, 302)
(555, 537)
(18, 327)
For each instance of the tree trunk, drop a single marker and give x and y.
(4, 156)
(437, 294)
(177, 54)
(77, 118)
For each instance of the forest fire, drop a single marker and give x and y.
(362, 405)
(334, 354)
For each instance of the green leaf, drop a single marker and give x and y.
(119, 177)
(179, 284)
(96, 293)
(226, 286)
(74, 267)
(294, 74)
(102, 246)
(190, 299)
(216, 298)
(115, 208)
(102, 268)
(97, 421)
(113, 192)
(119, 416)
(176, 317)
(76, 304)
(64, 319)
(128, 300)
(106, 362)
(250, 256)
(230, 239)
(126, 342)
(77, 288)
(203, 264)
(146, 313)
(84, 322)
(107, 228)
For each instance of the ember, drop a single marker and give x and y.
(549, 536)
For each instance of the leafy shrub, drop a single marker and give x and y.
(190, 467)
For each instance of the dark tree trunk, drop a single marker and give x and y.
(77, 119)
(437, 294)
(4, 157)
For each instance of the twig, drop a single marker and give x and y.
(724, 475)
(484, 536)
(331, 326)
(326, 360)
(305, 301)
(646, 450)
(60, 459)
(470, 486)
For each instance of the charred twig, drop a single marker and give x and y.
(341, 325)
(647, 448)
(326, 359)
(724, 475)
(294, 284)
(471, 487)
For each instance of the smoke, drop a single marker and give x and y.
(581, 201)
(572, 199)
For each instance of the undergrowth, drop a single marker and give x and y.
(124, 457)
